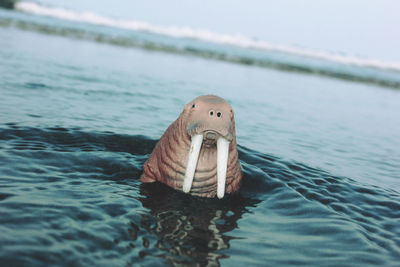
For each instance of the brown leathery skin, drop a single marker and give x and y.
(167, 163)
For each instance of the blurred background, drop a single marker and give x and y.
(364, 29)
(86, 87)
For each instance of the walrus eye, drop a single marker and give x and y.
(212, 113)
(219, 114)
(193, 105)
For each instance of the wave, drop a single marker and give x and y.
(200, 43)
(200, 34)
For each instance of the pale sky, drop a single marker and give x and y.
(366, 28)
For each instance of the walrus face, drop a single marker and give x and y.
(209, 122)
(210, 116)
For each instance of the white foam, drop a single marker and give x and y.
(200, 34)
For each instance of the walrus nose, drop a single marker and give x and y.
(211, 135)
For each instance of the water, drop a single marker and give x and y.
(83, 105)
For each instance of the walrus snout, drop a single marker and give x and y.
(209, 132)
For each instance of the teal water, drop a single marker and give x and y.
(80, 115)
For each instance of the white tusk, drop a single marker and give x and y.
(192, 161)
(222, 164)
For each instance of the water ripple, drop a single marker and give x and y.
(72, 197)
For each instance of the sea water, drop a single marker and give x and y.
(83, 103)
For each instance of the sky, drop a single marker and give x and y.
(365, 28)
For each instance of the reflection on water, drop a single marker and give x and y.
(190, 229)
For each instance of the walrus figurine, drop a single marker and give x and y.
(197, 153)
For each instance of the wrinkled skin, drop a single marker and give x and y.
(212, 117)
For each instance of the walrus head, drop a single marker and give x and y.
(197, 154)
(210, 116)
